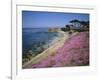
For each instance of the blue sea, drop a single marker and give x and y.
(34, 38)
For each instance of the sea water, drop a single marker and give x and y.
(36, 39)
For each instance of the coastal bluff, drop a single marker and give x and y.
(54, 29)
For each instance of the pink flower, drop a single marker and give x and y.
(75, 52)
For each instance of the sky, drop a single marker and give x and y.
(37, 19)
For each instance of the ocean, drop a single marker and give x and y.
(35, 39)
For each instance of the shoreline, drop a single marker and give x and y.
(49, 51)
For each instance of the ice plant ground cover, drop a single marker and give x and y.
(74, 52)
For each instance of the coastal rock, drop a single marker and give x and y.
(53, 29)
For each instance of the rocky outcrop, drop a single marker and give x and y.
(53, 29)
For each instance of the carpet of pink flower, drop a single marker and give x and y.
(74, 52)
